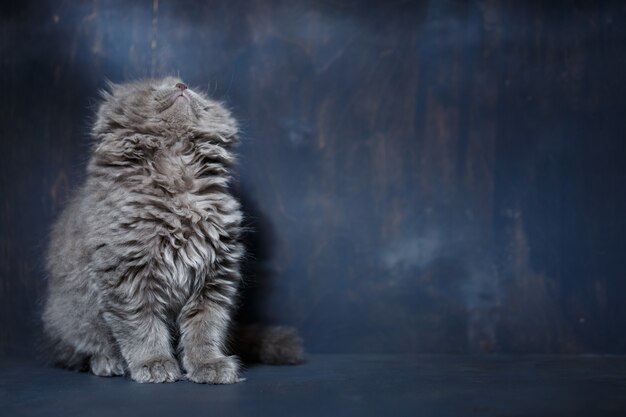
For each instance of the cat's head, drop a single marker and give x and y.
(163, 107)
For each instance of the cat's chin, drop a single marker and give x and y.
(177, 100)
(180, 100)
(180, 104)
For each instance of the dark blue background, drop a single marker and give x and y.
(422, 176)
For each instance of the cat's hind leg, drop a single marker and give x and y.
(66, 356)
(106, 365)
(82, 340)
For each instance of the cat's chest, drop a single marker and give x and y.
(178, 179)
(174, 173)
(195, 215)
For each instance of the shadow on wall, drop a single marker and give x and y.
(257, 267)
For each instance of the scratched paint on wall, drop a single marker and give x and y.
(421, 177)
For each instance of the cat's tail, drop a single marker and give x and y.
(275, 345)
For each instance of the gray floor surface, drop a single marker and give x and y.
(338, 385)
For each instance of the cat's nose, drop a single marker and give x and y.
(181, 86)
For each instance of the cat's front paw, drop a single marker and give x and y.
(223, 370)
(156, 371)
(103, 365)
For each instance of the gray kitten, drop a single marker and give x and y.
(144, 262)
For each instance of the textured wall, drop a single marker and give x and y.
(422, 177)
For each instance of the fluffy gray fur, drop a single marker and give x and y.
(144, 261)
